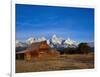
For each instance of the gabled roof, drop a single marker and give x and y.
(35, 46)
(21, 52)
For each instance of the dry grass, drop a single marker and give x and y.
(63, 62)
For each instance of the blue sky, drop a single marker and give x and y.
(37, 21)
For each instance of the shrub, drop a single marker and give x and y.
(70, 50)
(84, 48)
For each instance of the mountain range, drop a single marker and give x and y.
(53, 42)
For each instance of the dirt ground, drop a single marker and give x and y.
(63, 62)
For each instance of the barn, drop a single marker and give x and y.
(38, 50)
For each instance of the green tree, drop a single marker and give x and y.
(84, 48)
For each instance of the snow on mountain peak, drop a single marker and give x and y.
(70, 42)
(69, 39)
(30, 40)
(54, 36)
(33, 40)
(17, 41)
(55, 40)
(42, 39)
(20, 44)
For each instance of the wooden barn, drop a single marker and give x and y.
(39, 50)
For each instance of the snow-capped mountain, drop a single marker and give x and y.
(54, 42)
(41, 39)
(70, 43)
(33, 40)
(57, 42)
(30, 40)
(20, 44)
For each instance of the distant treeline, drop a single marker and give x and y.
(82, 48)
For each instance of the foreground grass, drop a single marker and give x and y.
(63, 62)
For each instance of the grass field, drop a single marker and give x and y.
(63, 62)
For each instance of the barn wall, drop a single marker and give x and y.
(20, 56)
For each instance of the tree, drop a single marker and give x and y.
(68, 50)
(83, 48)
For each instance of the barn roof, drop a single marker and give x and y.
(21, 52)
(34, 46)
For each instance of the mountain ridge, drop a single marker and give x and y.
(53, 42)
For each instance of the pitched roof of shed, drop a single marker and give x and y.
(33, 47)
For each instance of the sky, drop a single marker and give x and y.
(38, 20)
